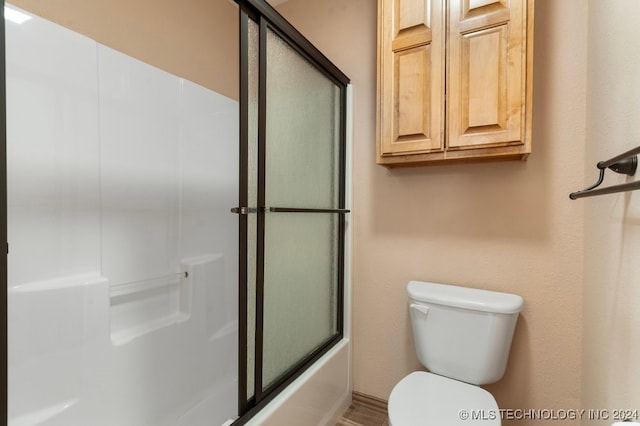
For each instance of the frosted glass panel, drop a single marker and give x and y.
(300, 288)
(302, 132)
(294, 130)
(252, 200)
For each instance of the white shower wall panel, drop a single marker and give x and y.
(139, 158)
(58, 332)
(52, 154)
(120, 181)
(209, 170)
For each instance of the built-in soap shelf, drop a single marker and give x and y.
(140, 307)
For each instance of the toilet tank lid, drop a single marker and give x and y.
(466, 298)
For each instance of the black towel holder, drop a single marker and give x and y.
(625, 163)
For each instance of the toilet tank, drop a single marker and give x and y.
(463, 333)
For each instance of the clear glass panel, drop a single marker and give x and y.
(303, 131)
(300, 288)
(252, 200)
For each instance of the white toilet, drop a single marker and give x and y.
(463, 336)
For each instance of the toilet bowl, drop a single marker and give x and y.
(463, 337)
(426, 399)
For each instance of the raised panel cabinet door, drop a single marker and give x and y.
(487, 73)
(411, 76)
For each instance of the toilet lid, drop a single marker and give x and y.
(426, 399)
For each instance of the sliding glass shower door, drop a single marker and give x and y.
(292, 203)
(302, 157)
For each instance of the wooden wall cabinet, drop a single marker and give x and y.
(454, 80)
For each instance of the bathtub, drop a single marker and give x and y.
(318, 397)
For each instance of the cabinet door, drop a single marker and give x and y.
(487, 73)
(411, 76)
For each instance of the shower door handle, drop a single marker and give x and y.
(245, 210)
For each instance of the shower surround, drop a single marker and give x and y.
(123, 254)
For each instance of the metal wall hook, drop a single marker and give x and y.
(627, 166)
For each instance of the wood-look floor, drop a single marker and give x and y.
(365, 411)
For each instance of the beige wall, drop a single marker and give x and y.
(193, 39)
(502, 226)
(611, 325)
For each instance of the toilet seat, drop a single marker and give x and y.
(426, 399)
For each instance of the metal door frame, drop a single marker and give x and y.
(3, 219)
